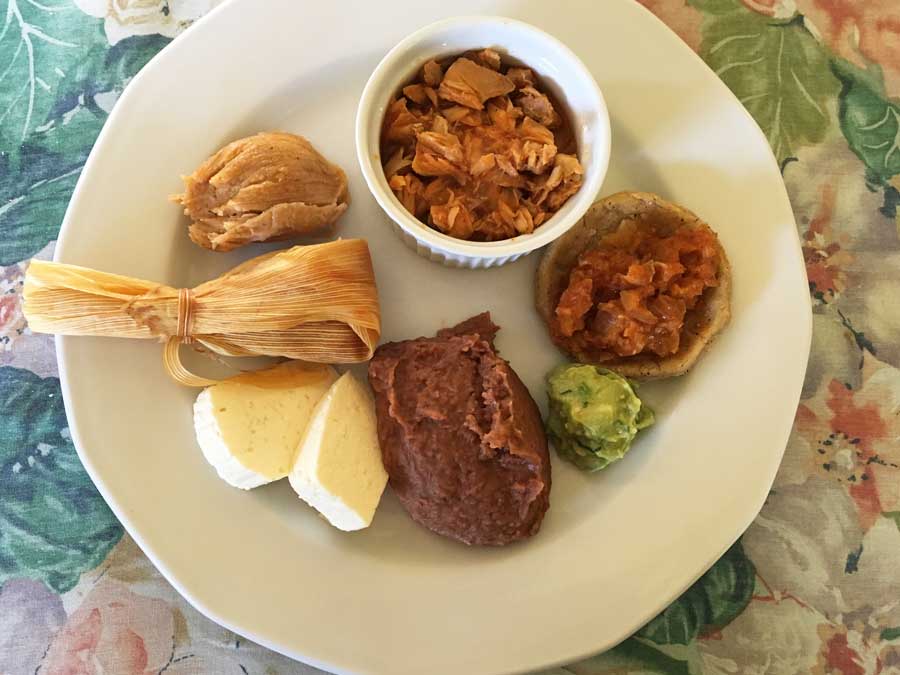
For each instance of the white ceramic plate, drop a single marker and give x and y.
(616, 547)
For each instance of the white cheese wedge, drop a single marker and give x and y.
(338, 469)
(249, 426)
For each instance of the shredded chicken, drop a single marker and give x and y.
(416, 93)
(439, 154)
(410, 191)
(432, 73)
(561, 183)
(488, 58)
(521, 77)
(267, 187)
(537, 106)
(477, 150)
(469, 84)
(401, 125)
(396, 163)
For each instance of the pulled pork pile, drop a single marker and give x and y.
(476, 149)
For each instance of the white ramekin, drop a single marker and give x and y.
(559, 70)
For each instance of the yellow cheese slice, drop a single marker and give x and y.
(338, 469)
(248, 426)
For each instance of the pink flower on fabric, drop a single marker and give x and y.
(113, 631)
(777, 9)
(10, 313)
(825, 259)
(863, 32)
(849, 435)
(826, 590)
(12, 321)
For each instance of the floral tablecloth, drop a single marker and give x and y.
(814, 584)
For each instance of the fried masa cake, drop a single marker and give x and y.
(461, 438)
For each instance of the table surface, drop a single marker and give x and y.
(813, 586)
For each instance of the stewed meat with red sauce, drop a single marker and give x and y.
(629, 294)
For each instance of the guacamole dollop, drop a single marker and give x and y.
(594, 415)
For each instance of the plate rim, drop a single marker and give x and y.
(206, 23)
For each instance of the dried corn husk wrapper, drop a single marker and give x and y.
(315, 303)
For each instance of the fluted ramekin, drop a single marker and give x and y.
(559, 70)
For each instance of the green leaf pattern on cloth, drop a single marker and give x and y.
(59, 77)
(812, 587)
(37, 46)
(776, 70)
(710, 604)
(870, 123)
(53, 523)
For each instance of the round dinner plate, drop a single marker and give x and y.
(617, 546)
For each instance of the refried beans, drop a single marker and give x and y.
(461, 438)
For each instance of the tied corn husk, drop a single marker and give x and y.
(314, 303)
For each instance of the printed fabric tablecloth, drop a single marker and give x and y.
(814, 584)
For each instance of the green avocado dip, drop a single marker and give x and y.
(594, 415)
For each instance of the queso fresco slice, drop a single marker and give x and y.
(338, 469)
(248, 426)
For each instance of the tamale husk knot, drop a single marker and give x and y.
(185, 315)
(314, 303)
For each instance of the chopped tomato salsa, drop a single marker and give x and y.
(629, 294)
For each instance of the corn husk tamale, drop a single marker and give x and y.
(314, 303)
